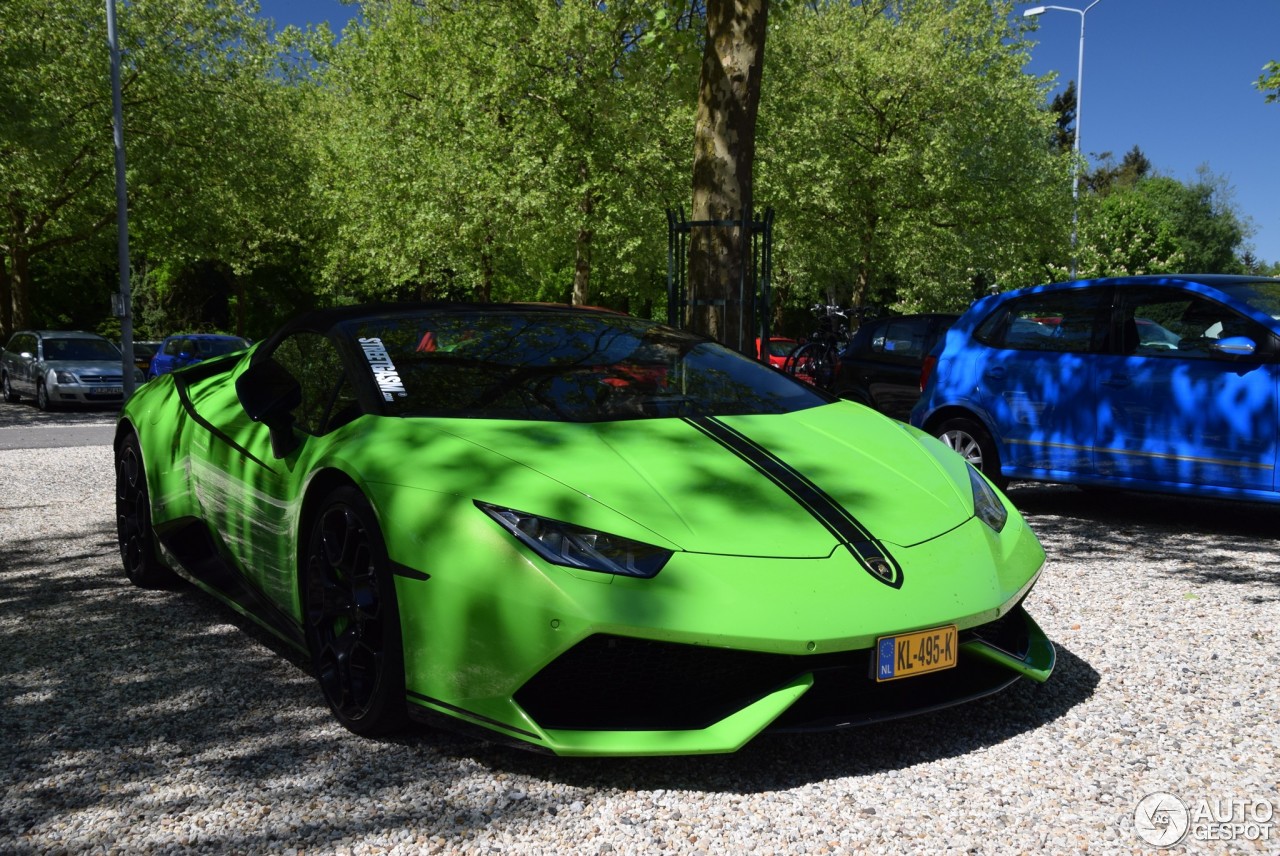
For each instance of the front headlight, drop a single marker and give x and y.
(65, 377)
(575, 547)
(987, 506)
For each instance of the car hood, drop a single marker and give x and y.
(758, 485)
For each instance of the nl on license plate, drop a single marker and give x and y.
(909, 654)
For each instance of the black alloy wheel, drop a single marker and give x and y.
(42, 396)
(133, 520)
(351, 616)
(9, 395)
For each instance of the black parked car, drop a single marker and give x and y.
(881, 365)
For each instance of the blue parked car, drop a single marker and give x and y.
(1160, 383)
(183, 350)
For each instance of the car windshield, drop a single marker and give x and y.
(217, 347)
(781, 347)
(1263, 295)
(80, 349)
(561, 366)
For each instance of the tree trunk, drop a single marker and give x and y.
(862, 277)
(582, 249)
(19, 290)
(723, 157)
(6, 302)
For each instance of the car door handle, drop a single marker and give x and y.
(996, 373)
(1116, 380)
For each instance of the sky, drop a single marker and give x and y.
(1173, 77)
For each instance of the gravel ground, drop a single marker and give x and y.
(139, 721)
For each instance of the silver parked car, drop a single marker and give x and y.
(62, 367)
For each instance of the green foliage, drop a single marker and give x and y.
(1138, 223)
(527, 150)
(209, 167)
(1269, 81)
(1133, 168)
(487, 148)
(1124, 234)
(907, 153)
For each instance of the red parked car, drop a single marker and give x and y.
(779, 348)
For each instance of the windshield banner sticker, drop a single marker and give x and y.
(384, 371)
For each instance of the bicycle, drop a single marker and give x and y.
(817, 361)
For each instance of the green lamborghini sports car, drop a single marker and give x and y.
(575, 530)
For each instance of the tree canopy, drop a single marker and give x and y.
(208, 154)
(528, 150)
(907, 153)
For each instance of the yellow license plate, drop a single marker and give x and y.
(920, 652)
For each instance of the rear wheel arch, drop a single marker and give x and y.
(134, 533)
(945, 414)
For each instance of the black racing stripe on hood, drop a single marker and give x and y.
(856, 538)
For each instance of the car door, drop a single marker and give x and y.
(891, 371)
(1036, 378)
(1171, 408)
(249, 484)
(19, 360)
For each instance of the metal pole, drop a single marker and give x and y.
(1075, 166)
(123, 309)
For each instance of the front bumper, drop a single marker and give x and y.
(620, 696)
(715, 650)
(86, 391)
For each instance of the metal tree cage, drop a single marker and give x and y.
(753, 284)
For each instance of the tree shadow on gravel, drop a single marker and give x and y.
(129, 710)
(1199, 540)
(120, 702)
(24, 414)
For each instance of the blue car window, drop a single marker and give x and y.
(1180, 324)
(1061, 321)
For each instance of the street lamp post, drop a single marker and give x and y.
(122, 299)
(1075, 167)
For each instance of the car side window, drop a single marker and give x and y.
(171, 347)
(904, 338)
(1062, 321)
(328, 399)
(1163, 322)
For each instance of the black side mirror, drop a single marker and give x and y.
(269, 395)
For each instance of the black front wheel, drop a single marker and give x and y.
(972, 442)
(352, 620)
(42, 396)
(133, 520)
(9, 395)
